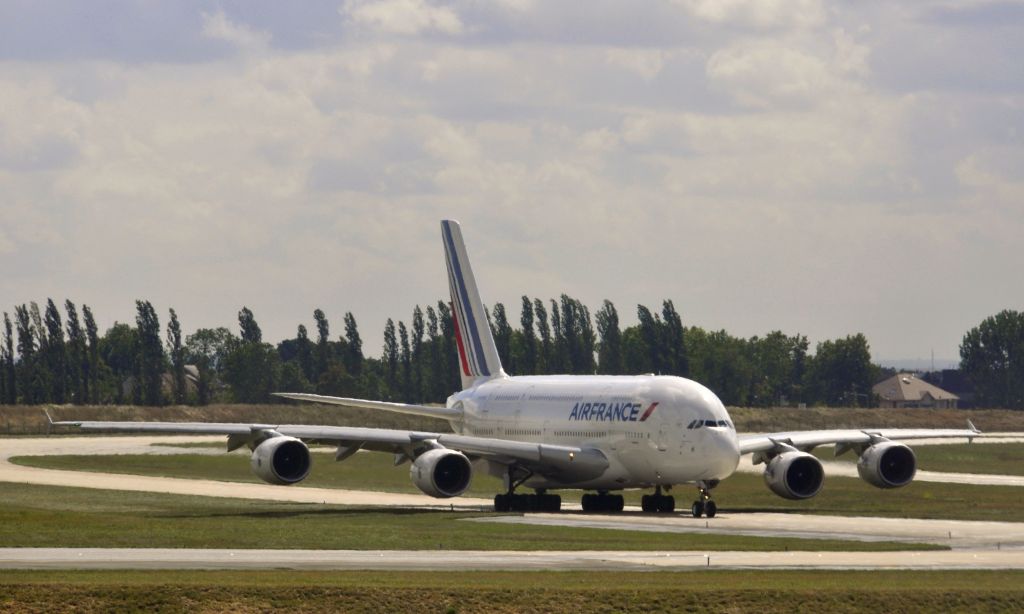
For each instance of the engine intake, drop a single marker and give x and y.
(794, 475)
(887, 465)
(441, 473)
(281, 460)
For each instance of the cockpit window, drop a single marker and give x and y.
(710, 423)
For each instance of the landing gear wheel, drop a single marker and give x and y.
(710, 509)
(603, 502)
(666, 504)
(502, 503)
(697, 509)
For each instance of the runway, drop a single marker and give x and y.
(469, 560)
(974, 545)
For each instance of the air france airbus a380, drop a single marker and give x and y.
(601, 434)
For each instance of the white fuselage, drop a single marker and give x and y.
(646, 425)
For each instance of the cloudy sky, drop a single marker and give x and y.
(816, 167)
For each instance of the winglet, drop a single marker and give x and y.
(971, 426)
(49, 422)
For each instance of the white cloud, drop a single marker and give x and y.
(645, 62)
(217, 26)
(403, 16)
(758, 13)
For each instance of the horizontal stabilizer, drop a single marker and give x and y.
(445, 413)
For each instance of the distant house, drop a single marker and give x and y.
(908, 390)
(167, 383)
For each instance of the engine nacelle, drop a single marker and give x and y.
(887, 465)
(441, 473)
(281, 460)
(794, 475)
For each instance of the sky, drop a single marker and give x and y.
(821, 168)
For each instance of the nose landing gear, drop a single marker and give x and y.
(704, 506)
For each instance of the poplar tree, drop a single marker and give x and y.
(29, 379)
(177, 354)
(304, 352)
(93, 371)
(76, 356)
(150, 370)
(390, 356)
(503, 336)
(437, 369)
(416, 341)
(406, 360)
(674, 341)
(323, 348)
(56, 357)
(451, 354)
(11, 387)
(610, 348)
(353, 347)
(528, 362)
(545, 360)
(251, 332)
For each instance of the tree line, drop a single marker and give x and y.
(50, 357)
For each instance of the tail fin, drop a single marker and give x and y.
(478, 356)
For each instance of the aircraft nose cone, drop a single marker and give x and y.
(726, 452)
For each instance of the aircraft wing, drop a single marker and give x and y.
(447, 413)
(808, 440)
(565, 462)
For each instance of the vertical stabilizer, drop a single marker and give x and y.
(478, 356)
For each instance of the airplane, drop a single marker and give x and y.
(600, 434)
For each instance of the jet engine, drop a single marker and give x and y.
(794, 475)
(887, 465)
(281, 460)
(441, 473)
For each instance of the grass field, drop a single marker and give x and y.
(44, 516)
(499, 592)
(740, 493)
(994, 458)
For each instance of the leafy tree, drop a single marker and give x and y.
(253, 370)
(208, 349)
(93, 361)
(177, 354)
(610, 358)
(151, 360)
(437, 368)
(119, 349)
(841, 372)
(251, 332)
(293, 379)
(992, 358)
(77, 357)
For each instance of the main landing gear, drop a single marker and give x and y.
(540, 502)
(704, 506)
(658, 502)
(602, 502)
(511, 502)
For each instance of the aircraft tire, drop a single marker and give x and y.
(710, 509)
(697, 509)
(501, 503)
